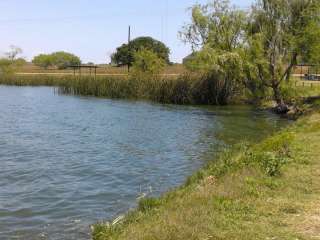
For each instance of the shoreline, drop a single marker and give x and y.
(262, 164)
(259, 172)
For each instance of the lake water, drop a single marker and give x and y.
(67, 162)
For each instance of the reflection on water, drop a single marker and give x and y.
(68, 162)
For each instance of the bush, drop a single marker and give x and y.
(61, 60)
(272, 154)
(147, 64)
(272, 163)
(9, 66)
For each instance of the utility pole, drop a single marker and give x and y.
(129, 51)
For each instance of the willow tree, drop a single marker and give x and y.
(216, 36)
(217, 25)
(280, 33)
(265, 43)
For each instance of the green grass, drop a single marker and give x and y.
(186, 89)
(270, 190)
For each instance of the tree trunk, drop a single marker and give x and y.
(277, 95)
(281, 107)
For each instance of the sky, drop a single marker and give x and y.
(93, 29)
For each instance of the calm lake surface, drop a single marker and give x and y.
(67, 162)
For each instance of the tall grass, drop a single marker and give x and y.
(186, 89)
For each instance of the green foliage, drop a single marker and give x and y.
(278, 34)
(125, 53)
(61, 60)
(220, 73)
(216, 32)
(272, 154)
(8, 67)
(309, 44)
(272, 163)
(187, 89)
(43, 60)
(11, 63)
(147, 63)
(216, 25)
(269, 41)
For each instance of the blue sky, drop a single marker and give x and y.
(92, 29)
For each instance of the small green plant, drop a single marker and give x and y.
(272, 154)
(272, 163)
(148, 204)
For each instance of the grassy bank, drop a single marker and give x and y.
(270, 190)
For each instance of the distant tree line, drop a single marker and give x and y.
(60, 60)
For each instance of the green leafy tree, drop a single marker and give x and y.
(216, 25)
(124, 54)
(148, 63)
(43, 60)
(279, 33)
(61, 60)
(268, 42)
(216, 36)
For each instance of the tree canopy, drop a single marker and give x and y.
(263, 44)
(148, 63)
(124, 54)
(61, 60)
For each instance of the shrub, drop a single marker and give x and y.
(272, 163)
(61, 60)
(9, 66)
(147, 64)
(272, 154)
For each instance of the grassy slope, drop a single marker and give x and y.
(235, 198)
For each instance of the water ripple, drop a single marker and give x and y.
(68, 162)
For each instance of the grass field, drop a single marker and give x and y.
(30, 68)
(270, 190)
(305, 88)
